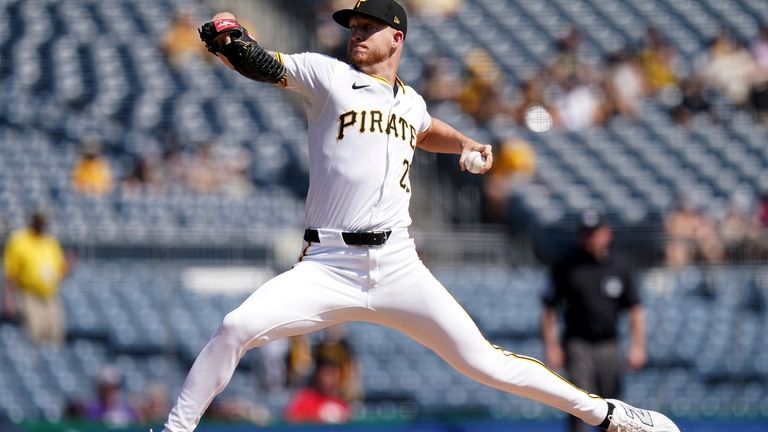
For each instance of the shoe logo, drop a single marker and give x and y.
(358, 87)
(642, 416)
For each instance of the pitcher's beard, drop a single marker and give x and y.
(368, 58)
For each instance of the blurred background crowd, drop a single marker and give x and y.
(173, 186)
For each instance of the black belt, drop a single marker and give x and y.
(362, 238)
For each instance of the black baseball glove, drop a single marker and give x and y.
(210, 31)
(242, 52)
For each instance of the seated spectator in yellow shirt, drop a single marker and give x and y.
(92, 174)
(515, 164)
(181, 43)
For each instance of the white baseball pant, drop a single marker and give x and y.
(387, 285)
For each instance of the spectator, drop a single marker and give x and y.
(659, 61)
(321, 401)
(728, 67)
(180, 43)
(626, 83)
(741, 231)
(514, 163)
(234, 167)
(334, 347)
(758, 97)
(431, 9)
(110, 405)
(580, 106)
(331, 39)
(35, 265)
(568, 65)
(154, 404)
(533, 95)
(74, 408)
(237, 409)
(693, 101)
(299, 360)
(216, 170)
(762, 211)
(203, 172)
(173, 166)
(691, 235)
(441, 83)
(480, 95)
(592, 285)
(144, 178)
(759, 48)
(92, 174)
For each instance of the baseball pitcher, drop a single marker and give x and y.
(359, 262)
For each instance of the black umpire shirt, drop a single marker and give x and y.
(592, 293)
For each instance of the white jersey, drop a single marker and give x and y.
(362, 137)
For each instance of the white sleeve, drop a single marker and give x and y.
(426, 119)
(309, 74)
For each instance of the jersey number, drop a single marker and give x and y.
(404, 181)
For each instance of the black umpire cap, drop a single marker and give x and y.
(591, 221)
(388, 11)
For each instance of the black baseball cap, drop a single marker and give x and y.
(388, 11)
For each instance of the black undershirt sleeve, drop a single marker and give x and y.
(254, 62)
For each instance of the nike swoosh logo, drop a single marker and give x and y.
(358, 87)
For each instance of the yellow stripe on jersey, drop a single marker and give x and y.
(384, 80)
(538, 362)
(530, 359)
(279, 57)
(400, 82)
(304, 251)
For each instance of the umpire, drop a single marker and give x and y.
(591, 286)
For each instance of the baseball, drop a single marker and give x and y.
(474, 162)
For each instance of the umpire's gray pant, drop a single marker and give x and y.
(595, 367)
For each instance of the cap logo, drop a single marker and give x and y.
(397, 20)
(359, 2)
